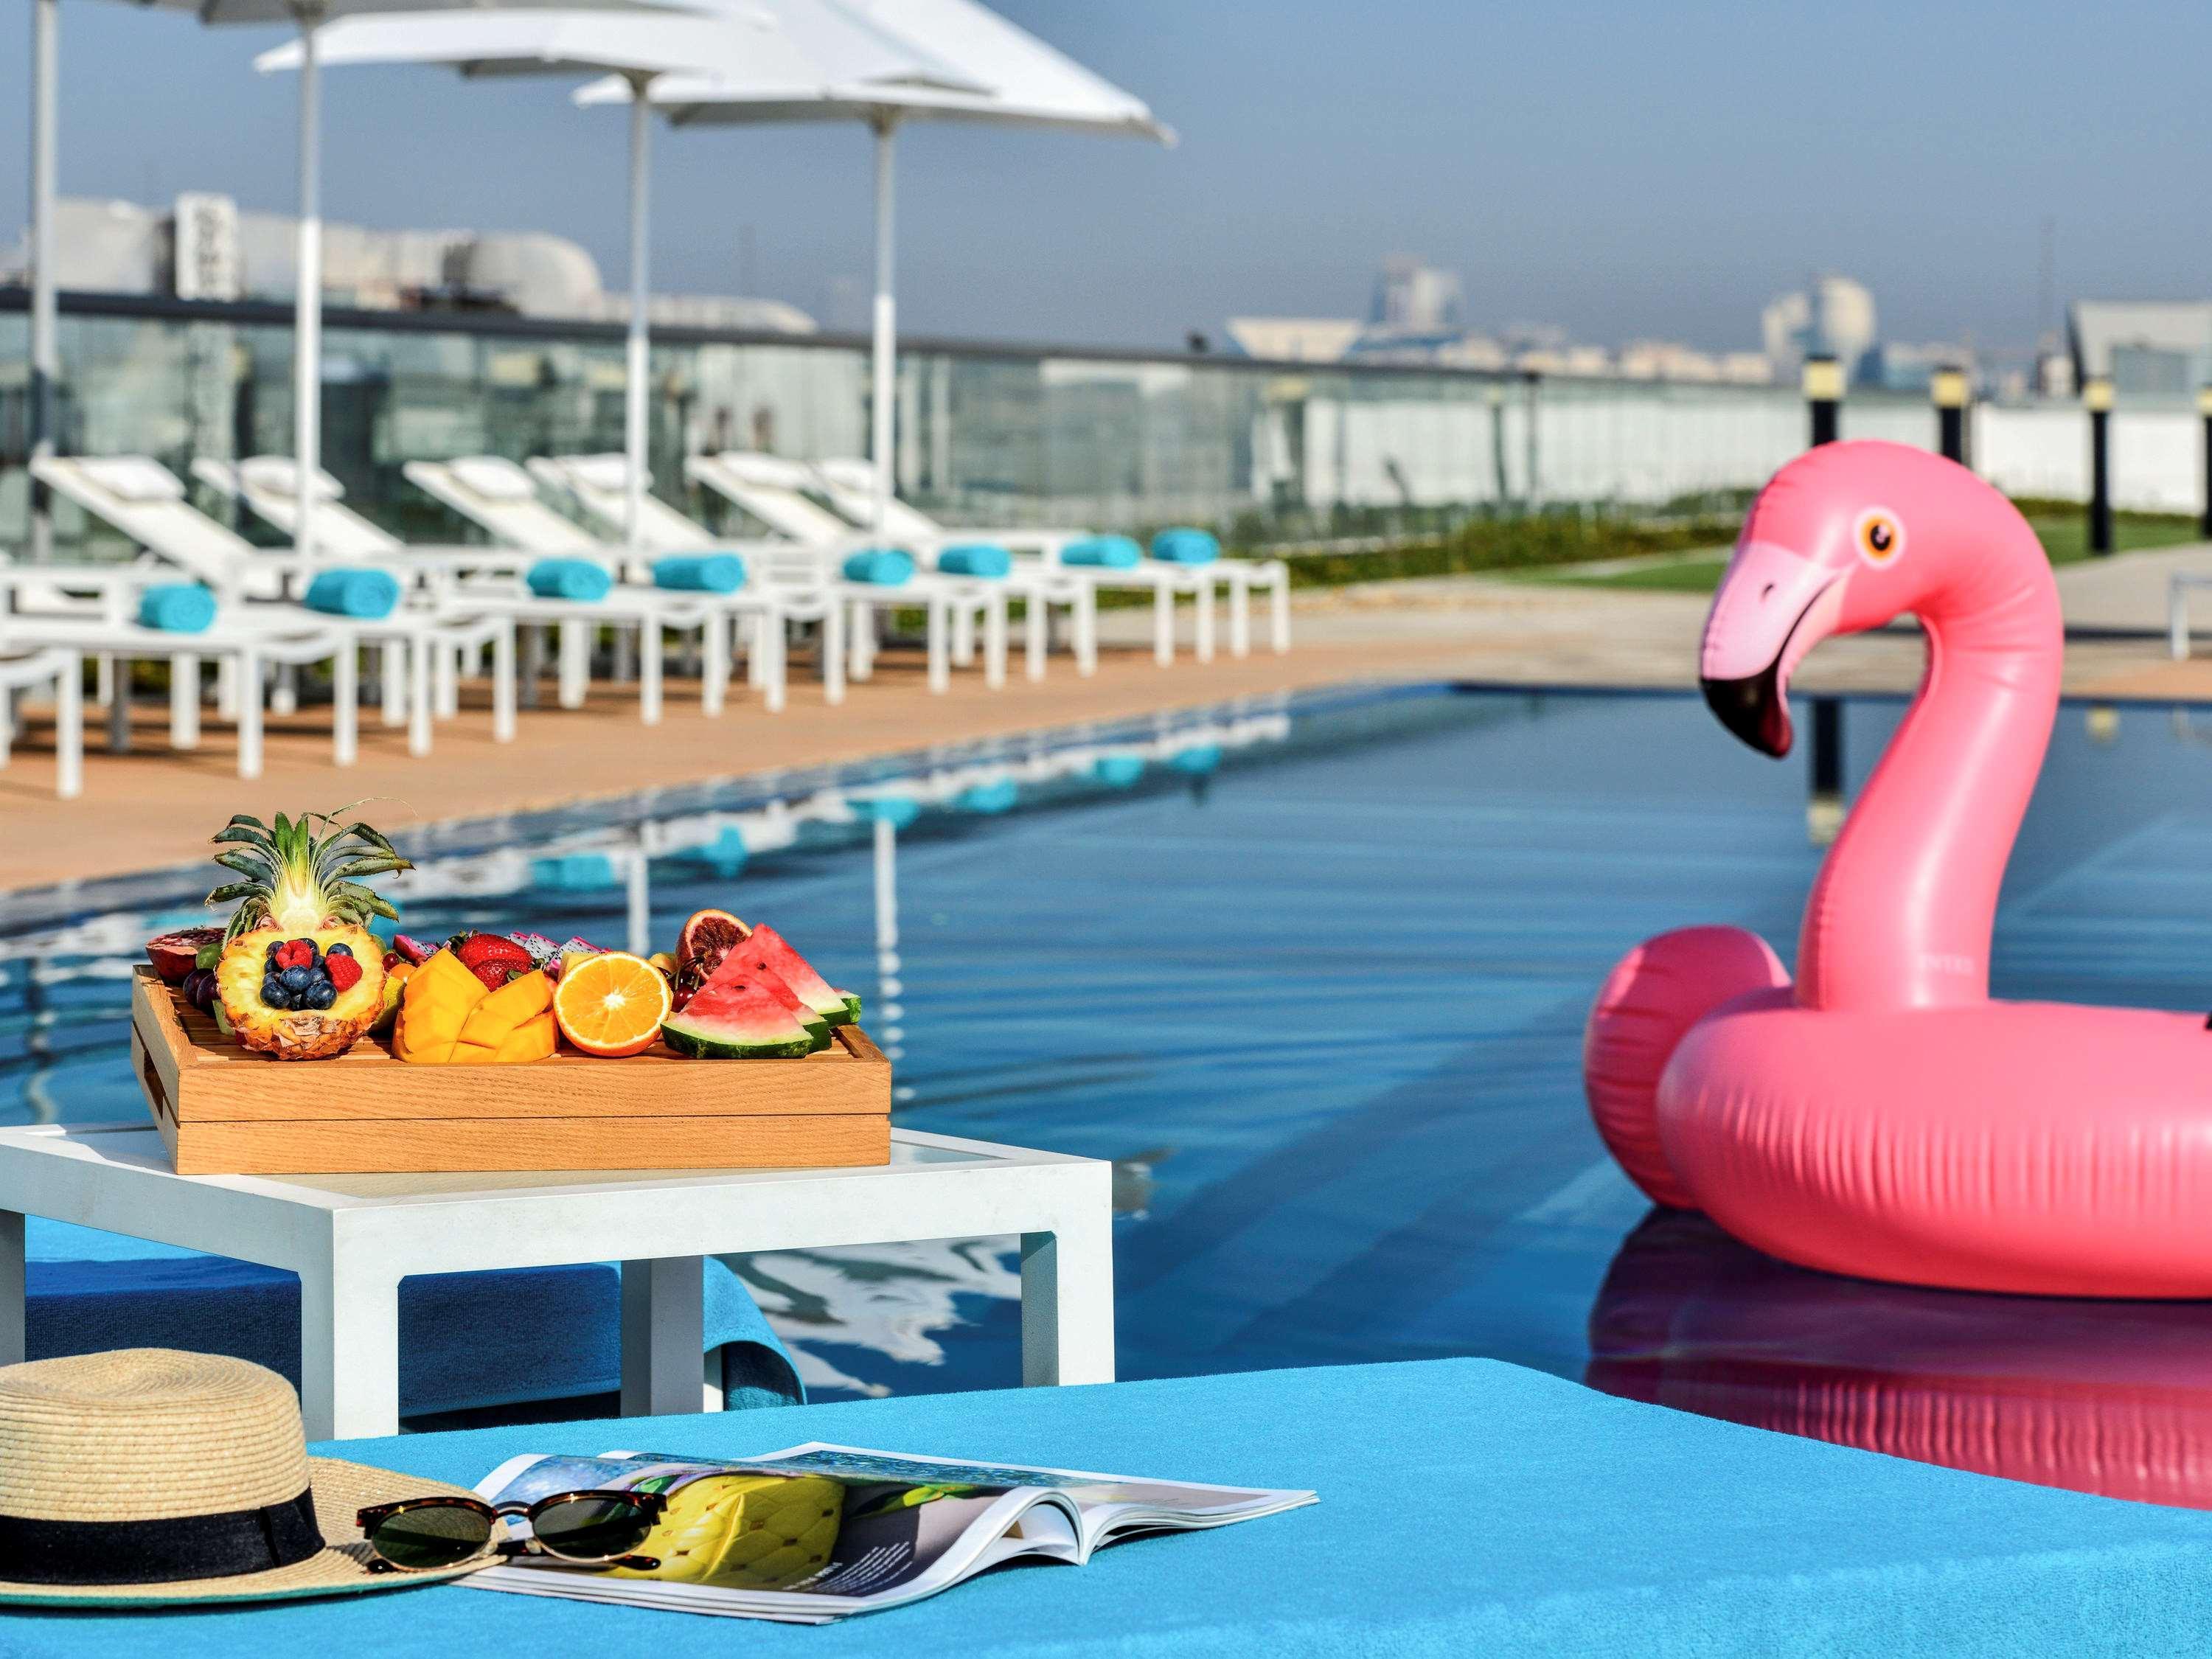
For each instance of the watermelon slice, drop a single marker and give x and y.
(817, 1027)
(736, 1015)
(768, 949)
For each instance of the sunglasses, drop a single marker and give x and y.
(596, 1528)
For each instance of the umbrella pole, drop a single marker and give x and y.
(883, 394)
(639, 366)
(307, 305)
(46, 353)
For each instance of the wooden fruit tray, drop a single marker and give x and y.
(225, 1110)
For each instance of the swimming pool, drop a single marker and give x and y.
(1313, 972)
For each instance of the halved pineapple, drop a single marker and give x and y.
(297, 905)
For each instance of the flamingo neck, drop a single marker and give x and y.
(1902, 914)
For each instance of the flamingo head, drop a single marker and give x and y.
(1842, 539)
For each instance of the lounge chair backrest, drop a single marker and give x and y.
(772, 489)
(498, 496)
(266, 484)
(603, 495)
(850, 483)
(139, 496)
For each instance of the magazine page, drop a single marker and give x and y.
(747, 1539)
(819, 1532)
(1104, 1504)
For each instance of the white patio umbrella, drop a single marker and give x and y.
(308, 16)
(798, 46)
(1029, 84)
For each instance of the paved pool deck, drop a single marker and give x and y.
(152, 807)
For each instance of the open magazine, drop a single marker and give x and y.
(819, 1532)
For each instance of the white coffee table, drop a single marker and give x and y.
(353, 1238)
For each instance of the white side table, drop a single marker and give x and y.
(352, 1238)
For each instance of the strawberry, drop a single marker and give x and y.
(494, 958)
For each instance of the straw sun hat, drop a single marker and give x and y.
(146, 1476)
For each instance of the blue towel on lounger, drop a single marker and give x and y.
(177, 608)
(976, 559)
(1108, 552)
(700, 572)
(568, 579)
(886, 567)
(1185, 546)
(364, 595)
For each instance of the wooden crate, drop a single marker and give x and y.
(225, 1110)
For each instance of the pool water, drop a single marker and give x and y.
(1312, 973)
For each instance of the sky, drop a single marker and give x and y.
(1621, 171)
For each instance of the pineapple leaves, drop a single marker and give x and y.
(299, 870)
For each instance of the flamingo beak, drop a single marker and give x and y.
(1774, 607)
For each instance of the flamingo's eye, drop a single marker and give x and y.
(1880, 537)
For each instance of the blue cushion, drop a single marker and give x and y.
(1467, 1507)
(700, 572)
(177, 608)
(1186, 547)
(976, 559)
(569, 578)
(465, 1340)
(366, 595)
(1110, 552)
(1118, 771)
(989, 798)
(886, 567)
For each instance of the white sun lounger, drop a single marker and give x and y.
(848, 484)
(63, 670)
(773, 490)
(500, 498)
(146, 502)
(598, 484)
(247, 639)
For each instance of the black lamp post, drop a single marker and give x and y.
(1947, 388)
(1824, 397)
(2096, 399)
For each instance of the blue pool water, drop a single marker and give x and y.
(1313, 973)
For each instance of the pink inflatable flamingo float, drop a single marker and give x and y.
(1881, 1115)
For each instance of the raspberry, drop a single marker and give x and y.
(344, 971)
(296, 953)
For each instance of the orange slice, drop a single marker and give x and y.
(612, 1004)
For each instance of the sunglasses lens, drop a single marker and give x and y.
(434, 1535)
(591, 1528)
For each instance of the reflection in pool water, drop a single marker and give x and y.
(1312, 975)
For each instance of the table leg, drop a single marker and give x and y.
(183, 702)
(11, 1288)
(533, 662)
(392, 680)
(940, 670)
(1067, 1303)
(502, 683)
(349, 1351)
(1202, 648)
(1164, 623)
(1035, 611)
(832, 654)
(995, 642)
(648, 670)
(714, 661)
(664, 1335)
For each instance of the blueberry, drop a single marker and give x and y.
(274, 994)
(341, 949)
(297, 979)
(323, 994)
(274, 945)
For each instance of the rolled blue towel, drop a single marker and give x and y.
(568, 579)
(177, 608)
(976, 559)
(700, 572)
(887, 567)
(1186, 547)
(1108, 552)
(366, 595)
